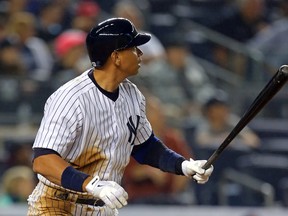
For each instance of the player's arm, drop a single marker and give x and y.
(52, 166)
(153, 152)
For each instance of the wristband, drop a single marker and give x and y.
(73, 179)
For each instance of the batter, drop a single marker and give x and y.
(92, 125)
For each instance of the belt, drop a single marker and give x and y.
(92, 202)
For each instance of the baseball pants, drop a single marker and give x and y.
(46, 200)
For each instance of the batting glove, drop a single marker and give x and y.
(111, 193)
(193, 168)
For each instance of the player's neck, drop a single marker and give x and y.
(106, 80)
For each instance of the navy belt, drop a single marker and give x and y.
(92, 202)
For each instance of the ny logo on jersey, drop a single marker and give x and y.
(132, 129)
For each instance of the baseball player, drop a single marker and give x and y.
(92, 125)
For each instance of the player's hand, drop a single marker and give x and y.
(193, 169)
(111, 193)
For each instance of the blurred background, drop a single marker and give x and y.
(205, 64)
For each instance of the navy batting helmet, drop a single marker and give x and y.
(110, 35)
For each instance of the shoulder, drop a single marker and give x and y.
(74, 88)
(131, 87)
(36, 41)
(130, 90)
(80, 83)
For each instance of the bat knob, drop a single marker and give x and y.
(284, 69)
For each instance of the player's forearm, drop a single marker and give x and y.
(154, 153)
(51, 166)
(58, 171)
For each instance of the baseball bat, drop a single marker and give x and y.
(266, 94)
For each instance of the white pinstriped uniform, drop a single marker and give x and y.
(91, 132)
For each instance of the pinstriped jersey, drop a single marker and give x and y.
(92, 132)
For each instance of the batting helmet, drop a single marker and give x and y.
(110, 35)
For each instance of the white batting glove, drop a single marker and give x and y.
(111, 193)
(194, 169)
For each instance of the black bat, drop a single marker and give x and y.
(267, 93)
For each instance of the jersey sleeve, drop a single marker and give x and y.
(144, 130)
(60, 124)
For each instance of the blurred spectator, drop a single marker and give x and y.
(179, 81)
(71, 57)
(240, 23)
(17, 184)
(273, 41)
(10, 59)
(3, 22)
(217, 123)
(144, 184)
(86, 15)
(15, 6)
(152, 50)
(18, 152)
(244, 21)
(34, 52)
(53, 18)
(208, 133)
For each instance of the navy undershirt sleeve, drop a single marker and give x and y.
(153, 152)
(43, 151)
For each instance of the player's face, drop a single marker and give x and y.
(130, 60)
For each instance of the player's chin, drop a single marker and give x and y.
(136, 72)
(137, 68)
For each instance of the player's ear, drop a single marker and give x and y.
(115, 58)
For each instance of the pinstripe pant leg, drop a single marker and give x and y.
(87, 210)
(42, 202)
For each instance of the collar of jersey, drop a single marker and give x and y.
(111, 95)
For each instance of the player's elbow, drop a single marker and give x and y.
(51, 166)
(42, 164)
(36, 165)
(46, 161)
